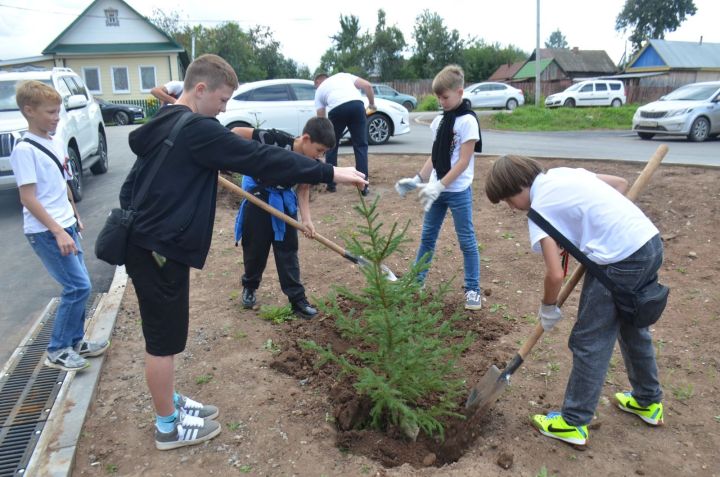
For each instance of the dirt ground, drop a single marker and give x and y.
(275, 424)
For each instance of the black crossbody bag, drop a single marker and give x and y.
(111, 243)
(640, 307)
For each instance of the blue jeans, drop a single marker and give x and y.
(350, 115)
(460, 204)
(593, 338)
(71, 274)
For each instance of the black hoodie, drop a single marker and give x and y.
(176, 217)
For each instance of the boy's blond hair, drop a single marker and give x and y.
(34, 93)
(509, 174)
(451, 77)
(211, 70)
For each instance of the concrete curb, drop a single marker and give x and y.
(54, 453)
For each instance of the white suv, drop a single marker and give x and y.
(81, 125)
(590, 93)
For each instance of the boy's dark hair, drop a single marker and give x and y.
(320, 74)
(509, 174)
(212, 70)
(320, 131)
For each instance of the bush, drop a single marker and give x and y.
(428, 103)
(406, 362)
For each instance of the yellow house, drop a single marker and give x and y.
(119, 53)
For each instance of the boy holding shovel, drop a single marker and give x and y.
(258, 230)
(592, 212)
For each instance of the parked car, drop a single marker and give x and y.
(692, 110)
(386, 92)
(120, 114)
(287, 104)
(590, 93)
(81, 126)
(494, 95)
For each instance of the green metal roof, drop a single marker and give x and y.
(528, 70)
(116, 48)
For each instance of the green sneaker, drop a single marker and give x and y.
(651, 414)
(553, 425)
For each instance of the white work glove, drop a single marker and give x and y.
(403, 186)
(429, 193)
(549, 315)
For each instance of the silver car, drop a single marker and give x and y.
(692, 110)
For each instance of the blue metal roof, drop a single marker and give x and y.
(678, 54)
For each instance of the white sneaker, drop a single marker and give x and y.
(473, 300)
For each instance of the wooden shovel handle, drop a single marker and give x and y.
(276, 213)
(634, 192)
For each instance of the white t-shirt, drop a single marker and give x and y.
(174, 88)
(32, 166)
(336, 90)
(464, 130)
(595, 217)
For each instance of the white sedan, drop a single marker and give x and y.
(494, 95)
(287, 104)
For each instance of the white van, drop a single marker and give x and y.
(590, 93)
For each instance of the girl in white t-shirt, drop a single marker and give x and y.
(591, 211)
(445, 180)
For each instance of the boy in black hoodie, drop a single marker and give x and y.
(173, 228)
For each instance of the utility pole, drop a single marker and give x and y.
(537, 57)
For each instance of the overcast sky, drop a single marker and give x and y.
(303, 27)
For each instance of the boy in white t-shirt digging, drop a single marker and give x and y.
(591, 211)
(51, 223)
(446, 179)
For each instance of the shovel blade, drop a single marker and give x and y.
(487, 390)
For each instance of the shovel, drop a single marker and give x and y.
(362, 261)
(494, 382)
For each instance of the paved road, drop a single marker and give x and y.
(618, 145)
(26, 287)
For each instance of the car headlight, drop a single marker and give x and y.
(678, 112)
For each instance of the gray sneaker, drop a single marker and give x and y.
(196, 409)
(88, 349)
(66, 359)
(188, 431)
(473, 300)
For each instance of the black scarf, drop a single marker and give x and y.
(443, 146)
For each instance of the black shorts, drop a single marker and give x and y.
(163, 294)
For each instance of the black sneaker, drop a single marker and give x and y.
(248, 298)
(331, 188)
(366, 191)
(188, 431)
(303, 309)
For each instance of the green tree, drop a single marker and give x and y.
(556, 40)
(650, 19)
(435, 45)
(387, 46)
(351, 51)
(480, 60)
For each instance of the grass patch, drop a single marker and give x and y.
(532, 118)
(276, 314)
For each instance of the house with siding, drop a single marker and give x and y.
(662, 66)
(119, 53)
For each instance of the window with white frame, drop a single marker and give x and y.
(120, 79)
(91, 75)
(147, 78)
(111, 17)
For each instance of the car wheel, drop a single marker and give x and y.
(101, 166)
(569, 103)
(378, 129)
(646, 136)
(699, 130)
(75, 169)
(408, 105)
(511, 104)
(616, 103)
(238, 124)
(121, 118)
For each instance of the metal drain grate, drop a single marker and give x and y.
(27, 394)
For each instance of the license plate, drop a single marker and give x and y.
(647, 124)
